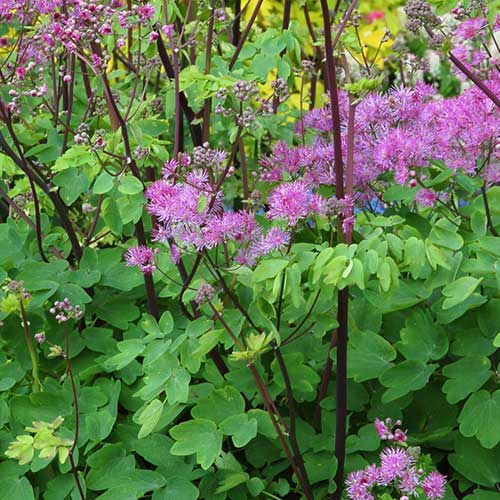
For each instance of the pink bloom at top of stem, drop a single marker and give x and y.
(381, 429)
(275, 239)
(409, 481)
(374, 15)
(142, 257)
(434, 485)
(293, 201)
(393, 464)
(168, 30)
(358, 485)
(470, 28)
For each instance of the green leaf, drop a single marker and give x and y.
(219, 405)
(129, 350)
(178, 386)
(177, 488)
(405, 377)
(18, 488)
(111, 216)
(320, 466)
(198, 436)
(230, 480)
(369, 355)
(465, 376)
(444, 234)
(483, 495)
(476, 463)
(421, 339)
(73, 182)
(130, 185)
(149, 417)
(480, 417)
(104, 183)
(261, 65)
(241, 428)
(459, 291)
(268, 269)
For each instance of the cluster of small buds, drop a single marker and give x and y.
(419, 12)
(280, 88)
(266, 107)
(99, 142)
(389, 431)
(205, 293)
(157, 106)
(437, 40)
(244, 91)
(247, 118)
(17, 287)
(459, 12)
(82, 134)
(141, 152)
(63, 310)
(356, 19)
(220, 15)
(308, 66)
(387, 36)
(39, 337)
(221, 94)
(205, 157)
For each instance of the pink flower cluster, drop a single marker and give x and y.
(387, 431)
(398, 469)
(189, 211)
(400, 133)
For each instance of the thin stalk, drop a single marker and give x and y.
(244, 35)
(139, 226)
(487, 210)
(266, 398)
(292, 435)
(34, 361)
(236, 22)
(341, 390)
(74, 470)
(208, 65)
(343, 295)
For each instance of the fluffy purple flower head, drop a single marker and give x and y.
(142, 257)
(358, 485)
(393, 464)
(434, 485)
(409, 481)
(470, 28)
(293, 201)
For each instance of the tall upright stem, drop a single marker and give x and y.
(74, 470)
(31, 349)
(343, 295)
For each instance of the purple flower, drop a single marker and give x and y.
(426, 197)
(40, 337)
(393, 463)
(293, 201)
(168, 30)
(434, 485)
(358, 486)
(381, 429)
(409, 481)
(142, 257)
(470, 28)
